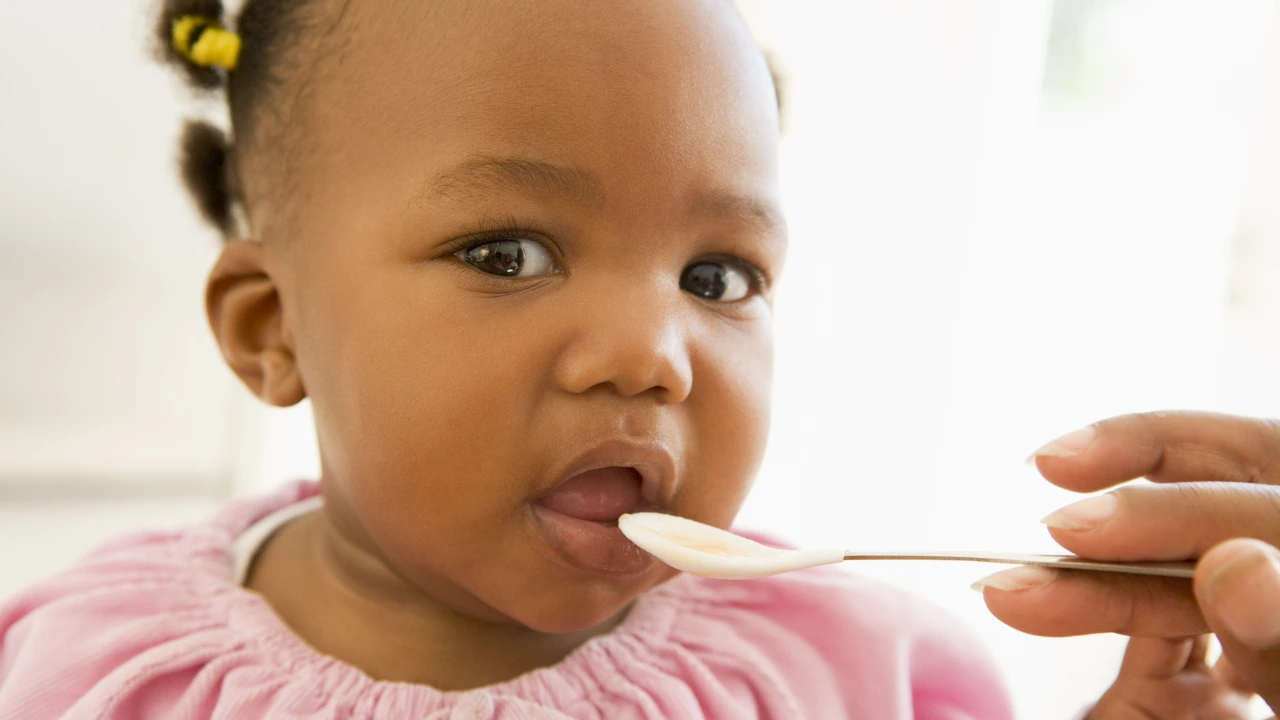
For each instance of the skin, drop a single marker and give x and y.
(1215, 496)
(447, 400)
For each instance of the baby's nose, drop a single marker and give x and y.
(634, 342)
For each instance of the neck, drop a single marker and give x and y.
(347, 602)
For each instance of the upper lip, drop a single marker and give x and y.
(652, 460)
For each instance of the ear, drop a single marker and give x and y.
(243, 304)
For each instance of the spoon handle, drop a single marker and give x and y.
(1165, 569)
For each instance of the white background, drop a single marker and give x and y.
(1009, 218)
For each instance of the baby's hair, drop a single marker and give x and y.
(260, 107)
(269, 31)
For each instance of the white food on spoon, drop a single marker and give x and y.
(700, 549)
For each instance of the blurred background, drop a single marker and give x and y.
(1009, 218)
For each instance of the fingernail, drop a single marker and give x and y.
(1242, 594)
(1068, 445)
(1016, 580)
(1084, 515)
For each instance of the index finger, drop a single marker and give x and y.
(1165, 447)
(1166, 522)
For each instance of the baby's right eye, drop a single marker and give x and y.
(509, 258)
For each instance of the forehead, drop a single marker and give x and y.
(641, 95)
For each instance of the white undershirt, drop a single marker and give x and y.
(247, 544)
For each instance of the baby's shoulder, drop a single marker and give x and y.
(137, 609)
(195, 556)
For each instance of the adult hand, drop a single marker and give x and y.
(1170, 678)
(1216, 498)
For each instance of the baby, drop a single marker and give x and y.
(521, 256)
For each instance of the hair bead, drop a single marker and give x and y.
(205, 42)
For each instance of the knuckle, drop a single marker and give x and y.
(1267, 436)
(1195, 495)
(1271, 508)
(1222, 466)
(1147, 434)
(1119, 602)
(1209, 511)
(1162, 607)
(1149, 426)
(1142, 599)
(1270, 429)
(1135, 501)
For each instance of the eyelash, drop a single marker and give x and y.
(510, 229)
(759, 280)
(505, 229)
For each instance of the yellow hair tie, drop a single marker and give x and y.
(214, 45)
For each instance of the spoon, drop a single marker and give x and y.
(703, 550)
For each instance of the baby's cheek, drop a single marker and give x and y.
(729, 410)
(411, 413)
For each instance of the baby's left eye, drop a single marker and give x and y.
(508, 258)
(717, 281)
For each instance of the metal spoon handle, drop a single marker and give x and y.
(1164, 569)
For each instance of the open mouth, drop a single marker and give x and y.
(577, 519)
(601, 495)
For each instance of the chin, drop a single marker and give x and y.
(579, 607)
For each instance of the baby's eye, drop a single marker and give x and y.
(717, 281)
(508, 258)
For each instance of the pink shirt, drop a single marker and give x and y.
(155, 626)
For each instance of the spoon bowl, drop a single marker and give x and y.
(699, 549)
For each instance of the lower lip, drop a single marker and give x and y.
(591, 547)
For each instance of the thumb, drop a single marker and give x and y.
(1238, 587)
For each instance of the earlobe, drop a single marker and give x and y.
(247, 318)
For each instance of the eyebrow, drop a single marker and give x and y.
(730, 205)
(485, 174)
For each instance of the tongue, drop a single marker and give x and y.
(596, 495)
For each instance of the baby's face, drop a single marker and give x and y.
(529, 288)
